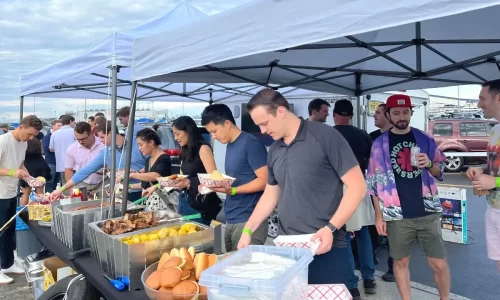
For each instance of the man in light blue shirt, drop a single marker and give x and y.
(103, 159)
(123, 117)
(60, 142)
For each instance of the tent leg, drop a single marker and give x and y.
(129, 139)
(359, 117)
(21, 110)
(114, 90)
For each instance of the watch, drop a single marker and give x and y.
(331, 226)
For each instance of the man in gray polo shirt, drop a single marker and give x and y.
(308, 164)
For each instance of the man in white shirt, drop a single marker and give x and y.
(12, 152)
(60, 142)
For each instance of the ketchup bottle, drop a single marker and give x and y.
(77, 194)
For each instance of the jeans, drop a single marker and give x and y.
(8, 236)
(335, 266)
(51, 185)
(184, 209)
(365, 253)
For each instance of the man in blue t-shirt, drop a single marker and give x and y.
(246, 160)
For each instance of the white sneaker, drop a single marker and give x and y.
(4, 279)
(15, 269)
(17, 259)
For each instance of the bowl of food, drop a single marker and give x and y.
(176, 275)
(171, 180)
(36, 182)
(215, 180)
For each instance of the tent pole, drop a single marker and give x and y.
(114, 90)
(357, 77)
(21, 100)
(129, 140)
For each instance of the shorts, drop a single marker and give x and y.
(426, 230)
(232, 235)
(492, 222)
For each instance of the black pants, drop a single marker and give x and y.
(7, 237)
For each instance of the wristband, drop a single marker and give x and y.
(430, 164)
(233, 191)
(248, 231)
(63, 188)
(11, 173)
(497, 179)
(130, 186)
(158, 185)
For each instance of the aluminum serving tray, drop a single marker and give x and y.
(71, 226)
(119, 259)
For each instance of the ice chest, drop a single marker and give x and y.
(292, 284)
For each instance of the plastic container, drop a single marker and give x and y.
(292, 284)
(157, 295)
(206, 180)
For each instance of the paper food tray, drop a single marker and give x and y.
(297, 241)
(165, 182)
(205, 180)
(328, 292)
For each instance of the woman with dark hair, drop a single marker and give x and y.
(158, 164)
(36, 166)
(196, 157)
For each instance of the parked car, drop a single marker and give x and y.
(461, 135)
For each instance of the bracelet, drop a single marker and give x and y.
(233, 191)
(431, 164)
(11, 173)
(130, 186)
(497, 179)
(63, 188)
(247, 230)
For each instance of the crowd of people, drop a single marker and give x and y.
(347, 187)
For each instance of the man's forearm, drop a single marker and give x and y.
(348, 205)
(376, 202)
(435, 170)
(254, 186)
(5, 172)
(262, 211)
(68, 173)
(69, 184)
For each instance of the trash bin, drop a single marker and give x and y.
(26, 242)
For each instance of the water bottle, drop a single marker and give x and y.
(58, 186)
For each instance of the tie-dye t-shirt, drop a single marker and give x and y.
(494, 165)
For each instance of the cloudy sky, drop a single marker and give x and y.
(37, 33)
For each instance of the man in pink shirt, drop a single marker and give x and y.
(81, 153)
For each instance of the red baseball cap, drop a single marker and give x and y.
(398, 100)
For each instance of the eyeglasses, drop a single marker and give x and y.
(83, 139)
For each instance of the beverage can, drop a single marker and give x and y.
(413, 154)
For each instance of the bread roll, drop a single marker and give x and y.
(175, 252)
(170, 277)
(172, 263)
(185, 254)
(153, 280)
(201, 264)
(163, 259)
(186, 287)
(191, 251)
(212, 260)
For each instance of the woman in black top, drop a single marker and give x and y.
(196, 157)
(36, 166)
(158, 164)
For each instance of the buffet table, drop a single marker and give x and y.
(85, 265)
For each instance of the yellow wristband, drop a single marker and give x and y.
(63, 188)
(11, 173)
(233, 191)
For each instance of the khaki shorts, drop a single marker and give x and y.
(232, 234)
(426, 230)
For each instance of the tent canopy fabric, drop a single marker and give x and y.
(87, 75)
(344, 47)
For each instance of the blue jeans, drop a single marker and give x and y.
(365, 253)
(336, 266)
(185, 209)
(52, 183)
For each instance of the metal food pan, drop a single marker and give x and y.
(120, 259)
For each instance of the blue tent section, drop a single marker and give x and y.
(145, 120)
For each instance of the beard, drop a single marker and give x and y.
(402, 125)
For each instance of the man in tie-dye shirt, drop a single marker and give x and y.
(488, 178)
(407, 206)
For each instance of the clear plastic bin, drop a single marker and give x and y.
(292, 284)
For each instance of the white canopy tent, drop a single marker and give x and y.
(344, 47)
(88, 75)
